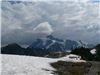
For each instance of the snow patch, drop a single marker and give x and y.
(72, 58)
(93, 51)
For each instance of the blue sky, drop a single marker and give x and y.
(22, 22)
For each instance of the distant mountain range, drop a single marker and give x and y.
(44, 46)
(51, 43)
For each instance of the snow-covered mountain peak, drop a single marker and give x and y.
(51, 43)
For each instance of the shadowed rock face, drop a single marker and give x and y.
(69, 44)
(79, 68)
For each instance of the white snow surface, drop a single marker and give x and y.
(66, 58)
(25, 65)
(29, 65)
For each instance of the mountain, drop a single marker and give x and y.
(16, 49)
(13, 49)
(52, 44)
(43, 47)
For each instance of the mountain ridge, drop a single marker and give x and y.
(52, 43)
(42, 47)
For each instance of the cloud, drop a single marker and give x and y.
(95, 1)
(72, 19)
(43, 28)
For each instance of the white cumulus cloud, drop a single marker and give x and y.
(43, 28)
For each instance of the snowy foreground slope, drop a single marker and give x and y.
(26, 65)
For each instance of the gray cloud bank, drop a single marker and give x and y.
(22, 22)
